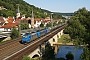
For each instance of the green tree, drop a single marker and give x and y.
(54, 24)
(48, 25)
(49, 52)
(14, 33)
(69, 56)
(24, 26)
(79, 29)
(25, 8)
(76, 31)
(41, 25)
(86, 54)
(26, 58)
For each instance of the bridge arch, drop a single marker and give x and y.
(57, 36)
(35, 56)
(53, 39)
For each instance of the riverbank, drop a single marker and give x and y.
(65, 38)
(63, 44)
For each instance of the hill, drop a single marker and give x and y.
(25, 8)
(65, 14)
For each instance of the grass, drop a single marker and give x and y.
(4, 41)
(65, 38)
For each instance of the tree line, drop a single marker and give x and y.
(25, 8)
(79, 30)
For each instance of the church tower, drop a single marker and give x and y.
(32, 20)
(18, 13)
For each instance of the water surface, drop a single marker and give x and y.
(63, 50)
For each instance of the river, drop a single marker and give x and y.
(63, 50)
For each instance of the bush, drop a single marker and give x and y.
(70, 56)
(14, 33)
(26, 58)
(41, 25)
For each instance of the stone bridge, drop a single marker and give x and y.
(53, 40)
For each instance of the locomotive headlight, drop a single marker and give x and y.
(25, 36)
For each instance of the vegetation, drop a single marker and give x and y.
(24, 26)
(14, 33)
(2, 42)
(49, 52)
(79, 30)
(55, 24)
(65, 14)
(69, 56)
(85, 55)
(41, 25)
(65, 38)
(26, 58)
(25, 8)
(48, 25)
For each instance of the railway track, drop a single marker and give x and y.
(9, 44)
(10, 48)
(16, 50)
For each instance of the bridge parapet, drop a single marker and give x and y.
(53, 40)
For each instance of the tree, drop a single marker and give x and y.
(79, 29)
(24, 26)
(69, 56)
(86, 54)
(76, 31)
(54, 24)
(48, 25)
(41, 25)
(25, 8)
(26, 58)
(14, 33)
(49, 52)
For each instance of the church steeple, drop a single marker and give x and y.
(18, 12)
(32, 20)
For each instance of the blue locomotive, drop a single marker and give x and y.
(31, 36)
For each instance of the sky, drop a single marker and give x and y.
(63, 6)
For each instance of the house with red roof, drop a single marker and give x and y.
(2, 8)
(37, 22)
(8, 24)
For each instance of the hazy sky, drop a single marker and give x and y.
(60, 5)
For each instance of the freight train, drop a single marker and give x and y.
(27, 37)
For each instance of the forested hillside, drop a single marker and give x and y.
(65, 14)
(25, 8)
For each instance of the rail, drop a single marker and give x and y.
(27, 50)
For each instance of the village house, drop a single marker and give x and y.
(8, 24)
(2, 8)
